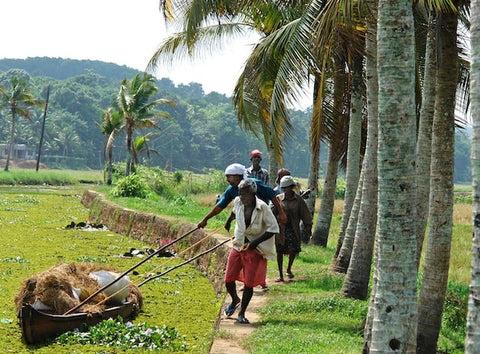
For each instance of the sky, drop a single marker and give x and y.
(125, 32)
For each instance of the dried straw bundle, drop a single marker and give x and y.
(55, 289)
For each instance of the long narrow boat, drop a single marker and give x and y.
(39, 326)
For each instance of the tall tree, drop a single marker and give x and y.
(424, 140)
(111, 122)
(136, 105)
(352, 174)
(472, 342)
(437, 253)
(19, 99)
(356, 259)
(336, 150)
(233, 18)
(394, 305)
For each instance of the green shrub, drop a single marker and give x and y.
(130, 186)
(118, 171)
(177, 176)
(455, 306)
(463, 198)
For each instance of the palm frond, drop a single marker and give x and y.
(208, 39)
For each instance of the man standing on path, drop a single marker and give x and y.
(253, 244)
(256, 171)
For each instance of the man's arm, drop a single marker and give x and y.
(253, 244)
(216, 210)
(229, 221)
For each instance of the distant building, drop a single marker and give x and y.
(19, 151)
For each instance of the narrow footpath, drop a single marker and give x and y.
(231, 334)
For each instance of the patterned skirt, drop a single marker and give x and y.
(291, 244)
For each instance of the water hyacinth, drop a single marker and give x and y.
(126, 335)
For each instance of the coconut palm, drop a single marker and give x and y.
(356, 252)
(472, 342)
(141, 146)
(111, 124)
(336, 150)
(67, 139)
(232, 18)
(20, 101)
(424, 140)
(352, 174)
(394, 313)
(327, 62)
(437, 254)
(253, 92)
(136, 107)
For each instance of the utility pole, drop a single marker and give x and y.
(43, 128)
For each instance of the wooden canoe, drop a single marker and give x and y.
(39, 326)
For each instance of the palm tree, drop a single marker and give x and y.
(437, 254)
(67, 139)
(19, 99)
(336, 150)
(141, 145)
(136, 106)
(111, 124)
(355, 257)
(352, 174)
(472, 342)
(424, 140)
(252, 92)
(394, 304)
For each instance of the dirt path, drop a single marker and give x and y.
(233, 334)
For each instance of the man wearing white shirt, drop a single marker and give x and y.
(253, 244)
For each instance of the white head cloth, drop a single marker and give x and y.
(236, 169)
(287, 181)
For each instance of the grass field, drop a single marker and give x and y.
(309, 313)
(34, 238)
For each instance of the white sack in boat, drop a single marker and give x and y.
(118, 292)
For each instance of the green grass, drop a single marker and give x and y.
(49, 177)
(308, 313)
(33, 237)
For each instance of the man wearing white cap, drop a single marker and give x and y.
(235, 173)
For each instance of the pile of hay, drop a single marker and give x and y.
(64, 286)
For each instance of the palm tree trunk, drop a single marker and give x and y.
(324, 219)
(314, 164)
(424, 141)
(437, 254)
(12, 138)
(394, 304)
(372, 111)
(272, 167)
(472, 342)
(352, 174)
(128, 167)
(109, 148)
(341, 259)
(355, 284)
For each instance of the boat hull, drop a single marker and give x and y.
(38, 326)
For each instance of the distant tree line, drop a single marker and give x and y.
(202, 133)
